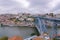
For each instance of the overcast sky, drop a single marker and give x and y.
(30, 6)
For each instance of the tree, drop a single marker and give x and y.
(1, 25)
(4, 38)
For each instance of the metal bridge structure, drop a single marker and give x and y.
(42, 28)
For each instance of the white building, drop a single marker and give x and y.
(30, 19)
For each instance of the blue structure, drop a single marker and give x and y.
(39, 21)
(40, 25)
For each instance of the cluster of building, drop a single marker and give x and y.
(17, 20)
(23, 19)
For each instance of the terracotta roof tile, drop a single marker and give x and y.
(37, 38)
(16, 38)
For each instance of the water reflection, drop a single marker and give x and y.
(11, 31)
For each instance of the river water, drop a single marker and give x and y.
(50, 30)
(19, 31)
(25, 32)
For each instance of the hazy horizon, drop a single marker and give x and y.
(29, 6)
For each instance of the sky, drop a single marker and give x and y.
(29, 6)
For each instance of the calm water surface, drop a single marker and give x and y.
(19, 31)
(11, 31)
(58, 30)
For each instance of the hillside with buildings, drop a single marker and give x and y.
(17, 19)
(23, 19)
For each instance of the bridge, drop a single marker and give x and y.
(42, 28)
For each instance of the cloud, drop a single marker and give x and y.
(29, 6)
(23, 3)
(53, 4)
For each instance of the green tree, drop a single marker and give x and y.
(4, 38)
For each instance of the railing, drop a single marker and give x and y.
(30, 38)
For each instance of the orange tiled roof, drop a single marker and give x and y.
(37, 38)
(16, 38)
